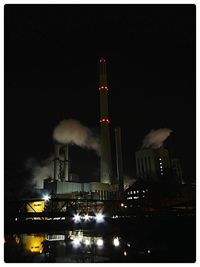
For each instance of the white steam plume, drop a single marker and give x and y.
(73, 132)
(40, 171)
(155, 138)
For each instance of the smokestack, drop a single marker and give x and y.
(119, 161)
(57, 162)
(106, 162)
(66, 163)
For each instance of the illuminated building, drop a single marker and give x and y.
(153, 165)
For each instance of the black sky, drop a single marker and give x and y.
(51, 74)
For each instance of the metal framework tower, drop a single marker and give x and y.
(106, 161)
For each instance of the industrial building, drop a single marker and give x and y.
(153, 165)
(159, 179)
(177, 172)
(62, 186)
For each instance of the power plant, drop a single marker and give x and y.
(79, 218)
(153, 162)
(62, 186)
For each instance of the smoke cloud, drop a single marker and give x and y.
(40, 170)
(66, 132)
(73, 132)
(156, 138)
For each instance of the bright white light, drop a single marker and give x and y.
(100, 242)
(99, 217)
(116, 241)
(46, 197)
(86, 217)
(125, 253)
(77, 218)
(148, 251)
(76, 242)
(87, 242)
(80, 236)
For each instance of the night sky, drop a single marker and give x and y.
(51, 73)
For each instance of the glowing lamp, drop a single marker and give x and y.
(100, 242)
(76, 242)
(103, 88)
(105, 120)
(116, 241)
(99, 217)
(86, 217)
(76, 218)
(87, 242)
(46, 197)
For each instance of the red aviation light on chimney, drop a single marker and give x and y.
(102, 60)
(104, 120)
(103, 88)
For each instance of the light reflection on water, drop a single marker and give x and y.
(69, 246)
(151, 241)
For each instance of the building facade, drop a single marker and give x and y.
(153, 164)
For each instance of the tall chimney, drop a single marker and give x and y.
(57, 162)
(66, 163)
(106, 161)
(119, 161)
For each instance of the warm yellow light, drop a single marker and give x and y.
(36, 206)
(33, 243)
